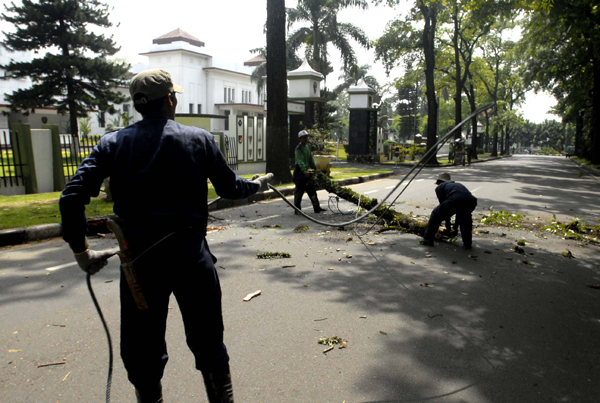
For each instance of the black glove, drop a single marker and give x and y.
(92, 261)
(263, 181)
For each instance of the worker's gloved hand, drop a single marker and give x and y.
(92, 261)
(263, 181)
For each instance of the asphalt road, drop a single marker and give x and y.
(487, 328)
(536, 186)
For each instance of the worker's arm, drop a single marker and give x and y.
(76, 195)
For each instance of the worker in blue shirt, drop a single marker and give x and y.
(158, 173)
(454, 199)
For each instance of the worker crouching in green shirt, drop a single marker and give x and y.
(304, 162)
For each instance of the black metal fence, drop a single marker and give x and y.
(73, 150)
(231, 153)
(11, 167)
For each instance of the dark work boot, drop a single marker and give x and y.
(151, 394)
(316, 205)
(218, 386)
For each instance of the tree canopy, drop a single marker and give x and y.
(74, 75)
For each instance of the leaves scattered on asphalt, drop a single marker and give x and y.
(301, 228)
(273, 255)
(568, 254)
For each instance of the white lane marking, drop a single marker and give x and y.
(390, 187)
(62, 266)
(419, 180)
(372, 191)
(261, 219)
(475, 190)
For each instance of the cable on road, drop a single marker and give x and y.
(414, 171)
(108, 338)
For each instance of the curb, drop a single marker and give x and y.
(590, 170)
(17, 236)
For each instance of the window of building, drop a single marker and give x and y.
(227, 113)
(249, 97)
(224, 95)
(199, 109)
(229, 95)
(191, 109)
(102, 119)
(244, 113)
(233, 95)
(125, 108)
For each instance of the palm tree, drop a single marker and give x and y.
(260, 71)
(325, 29)
(353, 75)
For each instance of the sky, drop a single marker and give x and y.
(230, 28)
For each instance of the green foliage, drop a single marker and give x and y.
(391, 219)
(85, 127)
(548, 151)
(576, 229)
(324, 29)
(301, 228)
(330, 341)
(273, 255)
(389, 144)
(317, 139)
(74, 75)
(503, 218)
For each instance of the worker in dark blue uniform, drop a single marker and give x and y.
(454, 199)
(158, 173)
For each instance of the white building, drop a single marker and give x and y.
(211, 87)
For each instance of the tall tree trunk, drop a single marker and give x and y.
(507, 141)
(430, 16)
(494, 152)
(475, 140)
(595, 135)
(579, 134)
(277, 127)
(486, 144)
(458, 74)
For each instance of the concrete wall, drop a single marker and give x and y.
(41, 142)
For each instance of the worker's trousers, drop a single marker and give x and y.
(447, 209)
(303, 185)
(181, 265)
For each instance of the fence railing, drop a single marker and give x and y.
(73, 150)
(231, 153)
(11, 167)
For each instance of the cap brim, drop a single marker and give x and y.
(177, 89)
(437, 182)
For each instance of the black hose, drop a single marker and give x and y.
(110, 347)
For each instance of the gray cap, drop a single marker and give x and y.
(152, 84)
(302, 133)
(443, 177)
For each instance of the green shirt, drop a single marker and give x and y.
(304, 157)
